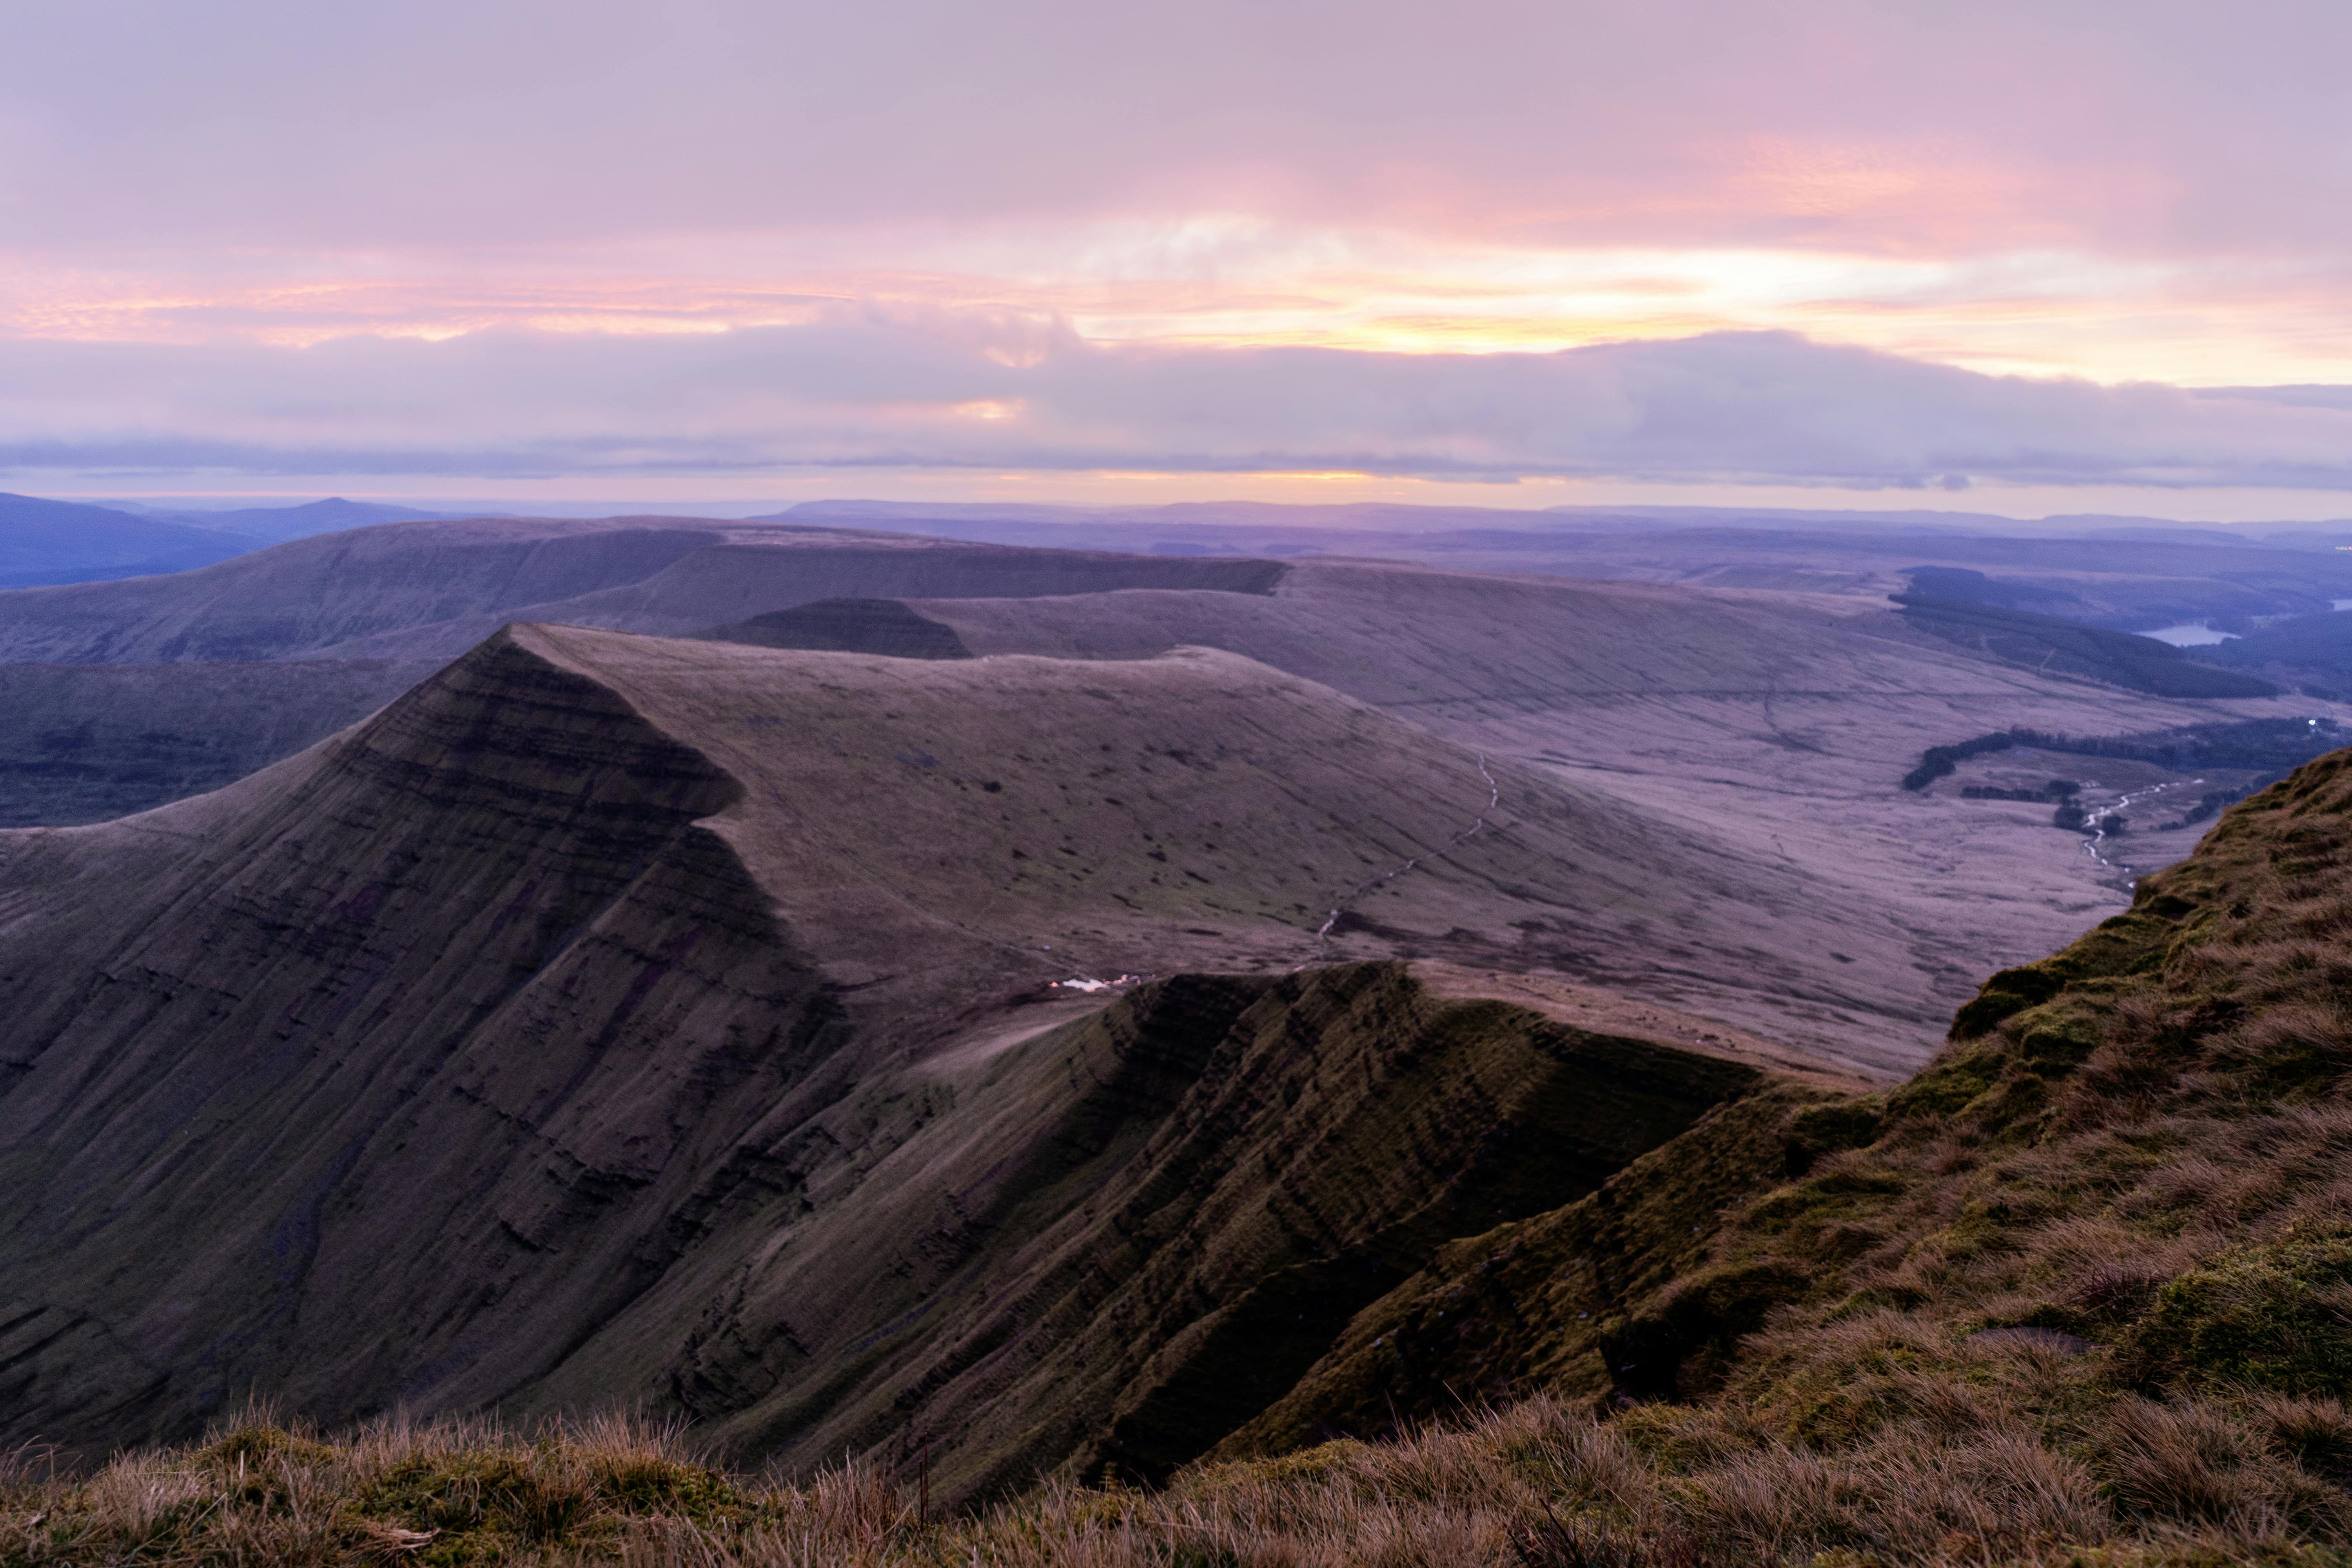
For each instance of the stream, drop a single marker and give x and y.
(2099, 834)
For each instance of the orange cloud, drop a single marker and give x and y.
(1014, 293)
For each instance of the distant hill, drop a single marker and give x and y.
(1748, 712)
(2312, 653)
(2117, 572)
(426, 590)
(2068, 648)
(276, 524)
(44, 542)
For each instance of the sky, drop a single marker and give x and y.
(2070, 255)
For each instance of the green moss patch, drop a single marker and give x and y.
(2275, 1316)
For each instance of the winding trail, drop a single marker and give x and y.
(1323, 931)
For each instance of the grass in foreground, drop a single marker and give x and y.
(1543, 1485)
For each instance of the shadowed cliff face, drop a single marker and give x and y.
(2133, 1147)
(2103, 1236)
(1113, 1242)
(373, 1079)
(613, 1019)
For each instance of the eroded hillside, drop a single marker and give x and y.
(2075, 1294)
(2091, 1263)
(614, 1017)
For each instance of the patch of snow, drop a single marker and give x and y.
(1089, 985)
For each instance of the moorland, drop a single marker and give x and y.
(791, 1041)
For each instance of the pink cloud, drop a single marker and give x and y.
(1722, 408)
(2137, 126)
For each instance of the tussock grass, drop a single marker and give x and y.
(1544, 1484)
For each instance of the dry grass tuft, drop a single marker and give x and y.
(1542, 1484)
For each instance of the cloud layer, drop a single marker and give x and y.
(2141, 126)
(1231, 236)
(977, 394)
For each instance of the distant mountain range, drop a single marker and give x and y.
(276, 524)
(45, 541)
(65, 542)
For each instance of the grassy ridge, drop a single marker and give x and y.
(2081, 1292)
(2094, 1262)
(2092, 1266)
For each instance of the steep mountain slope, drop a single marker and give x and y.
(597, 1006)
(1225, 1171)
(2076, 1294)
(2098, 1246)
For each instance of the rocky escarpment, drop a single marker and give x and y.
(1114, 1241)
(377, 1077)
(613, 1019)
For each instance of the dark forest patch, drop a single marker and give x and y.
(2267, 745)
(2051, 645)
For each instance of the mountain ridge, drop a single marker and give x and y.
(492, 1018)
(2072, 1293)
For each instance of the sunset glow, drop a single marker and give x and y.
(2028, 313)
(2113, 197)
